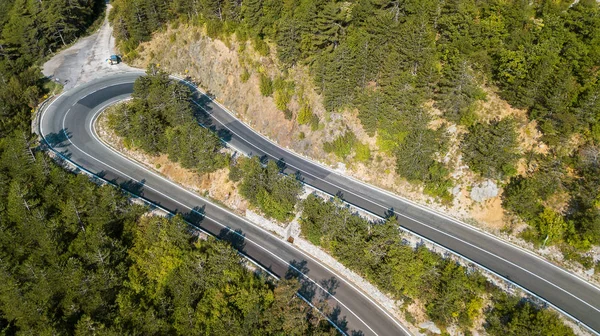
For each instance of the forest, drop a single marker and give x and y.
(161, 119)
(392, 61)
(81, 259)
(78, 258)
(266, 188)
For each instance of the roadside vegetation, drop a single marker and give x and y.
(80, 259)
(389, 60)
(266, 188)
(450, 294)
(160, 119)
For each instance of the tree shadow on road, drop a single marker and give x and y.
(134, 187)
(58, 140)
(298, 270)
(203, 112)
(334, 315)
(329, 287)
(236, 238)
(195, 216)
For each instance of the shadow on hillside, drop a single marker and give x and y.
(203, 114)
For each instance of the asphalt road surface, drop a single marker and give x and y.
(66, 125)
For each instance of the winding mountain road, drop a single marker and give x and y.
(66, 125)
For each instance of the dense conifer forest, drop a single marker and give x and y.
(393, 60)
(77, 258)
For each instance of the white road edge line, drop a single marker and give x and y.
(92, 130)
(202, 230)
(428, 226)
(197, 196)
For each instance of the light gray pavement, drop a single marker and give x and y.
(86, 59)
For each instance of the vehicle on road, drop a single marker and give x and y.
(114, 59)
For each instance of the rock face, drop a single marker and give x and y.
(431, 327)
(484, 191)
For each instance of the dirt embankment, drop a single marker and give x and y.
(219, 66)
(215, 185)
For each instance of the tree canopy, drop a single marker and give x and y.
(80, 259)
(266, 188)
(160, 119)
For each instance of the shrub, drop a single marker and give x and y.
(282, 99)
(305, 115)
(363, 152)
(261, 47)
(245, 76)
(342, 145)
(267, 189)
(266, 85)
(491, 150)
(284, 90)
(314, 122)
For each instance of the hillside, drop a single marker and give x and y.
(487, 109)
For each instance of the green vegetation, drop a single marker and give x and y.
(266, 85)
(81, 259)
(160, 119)
(30, 31)
(314, 122)
(491, 150)
(266, 188)
(221, 297)
(513, 317)
(449, 293)
(284, 91)
(345, 144)
(342, 145)
(305, 115)
(363, 152)
(537, 197)
(388, 59)
(245, 76)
